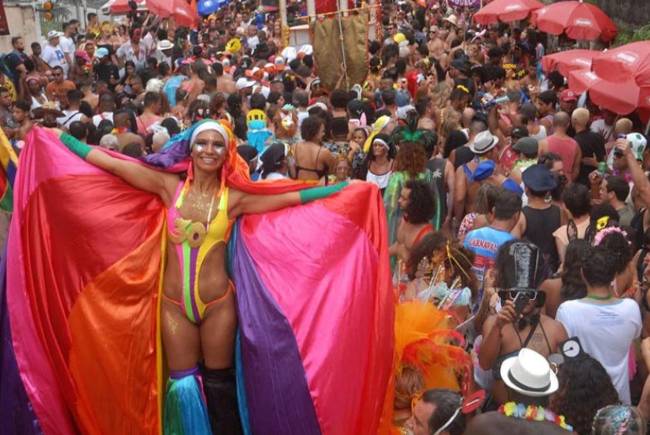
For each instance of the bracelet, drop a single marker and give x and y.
(309, 195)
(75, 145)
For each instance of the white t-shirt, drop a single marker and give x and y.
(53, 56)
(126, 53)
(102, 116)
(606, 332)
(149, 43)
(67, 45)
(69, 116)
(252, 42)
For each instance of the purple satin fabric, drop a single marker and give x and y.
(16, 413)
(275, 375)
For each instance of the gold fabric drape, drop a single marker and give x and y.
(329, 56)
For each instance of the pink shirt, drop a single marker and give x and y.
(566, 148)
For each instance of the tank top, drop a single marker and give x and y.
(541, 134)
(540, 226)
(566, 148)
(380, 180)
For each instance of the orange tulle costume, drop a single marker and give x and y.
(425, 342)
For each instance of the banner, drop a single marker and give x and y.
(329, 52)
(4, 26)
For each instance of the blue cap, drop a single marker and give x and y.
(101, 52)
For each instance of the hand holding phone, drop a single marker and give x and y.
(520, 301)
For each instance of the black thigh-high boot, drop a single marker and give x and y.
(221, 394)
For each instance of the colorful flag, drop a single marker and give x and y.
(8, 166)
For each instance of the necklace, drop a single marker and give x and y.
(192, 232)
(599, 298)
(533, 413)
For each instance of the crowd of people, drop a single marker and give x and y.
(514, 206)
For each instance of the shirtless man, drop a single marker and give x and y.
(510, 330)
(122, 121)
(484, 148)
(225, 83)
(417, 204)
(21, 116)
(89, 96)
(436, 44)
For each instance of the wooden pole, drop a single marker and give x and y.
(372, 20)
(284, 25)
(311, 9)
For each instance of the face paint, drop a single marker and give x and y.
(219, 148)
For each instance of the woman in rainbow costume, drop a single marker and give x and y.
(140, 287)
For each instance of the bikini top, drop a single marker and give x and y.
(195, 233)
(319, 172)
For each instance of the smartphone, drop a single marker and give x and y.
(520, 301)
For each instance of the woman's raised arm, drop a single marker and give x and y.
(137, 175)
(242, 203)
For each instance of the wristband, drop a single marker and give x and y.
(75, 145)
(309, 195)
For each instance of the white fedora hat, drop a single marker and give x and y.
(483, 142)
(529, 373)
(165, 45)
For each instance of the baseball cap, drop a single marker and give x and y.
(539, 178)
(101, 52)
(638, 144)
(519, 132)
(568, 95)
(53, 34)
(526, 145)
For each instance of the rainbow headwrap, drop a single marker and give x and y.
(81, 349)
(8, 166)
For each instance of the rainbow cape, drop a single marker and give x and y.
(81, 350)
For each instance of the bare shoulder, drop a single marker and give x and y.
(495, 423)
(234, 201)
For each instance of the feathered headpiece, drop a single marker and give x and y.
(410, 132)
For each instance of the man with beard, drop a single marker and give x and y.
(16, 59)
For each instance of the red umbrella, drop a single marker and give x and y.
(567, 61)
(628, 62)
(620, 97)
(506, 11)
(180, 10)
(583, 80)
(121, 7)
(580, 21)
